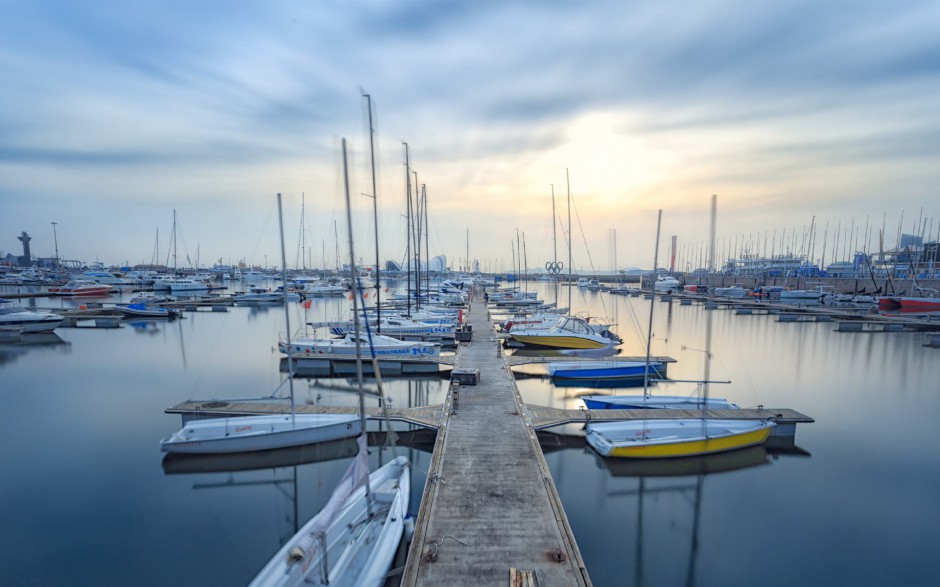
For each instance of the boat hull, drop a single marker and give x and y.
(250, 433)
(559, 341)
(604, 370)
(359, 552)
(656, 402)
(920, 303)
(33, 325)
(675, 438)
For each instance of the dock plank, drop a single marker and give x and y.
(490, 504)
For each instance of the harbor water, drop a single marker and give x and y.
(88, 498)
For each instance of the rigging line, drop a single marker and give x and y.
(264, 227)
(212, 347)
(590, 260)
(391, 438)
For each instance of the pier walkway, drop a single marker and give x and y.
(490, 513)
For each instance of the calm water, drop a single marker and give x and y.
(86, 499)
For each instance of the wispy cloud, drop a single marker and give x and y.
(782, 107)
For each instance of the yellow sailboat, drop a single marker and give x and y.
(681, 437)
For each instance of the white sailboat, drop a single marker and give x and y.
(353, 539)
(248, 433)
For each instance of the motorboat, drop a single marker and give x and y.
(805, 295)
(569, 333)
(259, 295)
(249, 433)
(16, 317)
(379, 345)
(81, 287)
(675, 438)
(733, 291)
(143, 310)
(186, 285)
(666, 283)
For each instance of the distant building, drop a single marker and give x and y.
(910, 241)
(26, 259)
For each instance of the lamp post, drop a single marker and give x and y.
(56, 239)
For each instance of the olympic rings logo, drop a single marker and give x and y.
(554, 268)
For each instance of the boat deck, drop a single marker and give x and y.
(490, 509)
(426, 416)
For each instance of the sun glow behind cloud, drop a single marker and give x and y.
(117, 113)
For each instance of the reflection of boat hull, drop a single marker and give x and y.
(248, 433)
(604, 370)
(675, 438)
(753, 456)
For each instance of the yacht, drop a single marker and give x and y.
(16, 317)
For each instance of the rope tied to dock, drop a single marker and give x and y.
(430, 554)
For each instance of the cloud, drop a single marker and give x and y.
(778, 106)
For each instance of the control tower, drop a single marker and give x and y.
(27, 258)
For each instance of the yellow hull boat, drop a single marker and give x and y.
(646, 439)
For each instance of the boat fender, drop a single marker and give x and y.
(296, 555)
(409, 527)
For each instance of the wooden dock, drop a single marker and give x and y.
(490, 510)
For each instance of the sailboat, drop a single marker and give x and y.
(353, 539)
(651, 371)
(680, 437)
(248, 433)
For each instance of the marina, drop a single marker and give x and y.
(504, 340)
(548, 419)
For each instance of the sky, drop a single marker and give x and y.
(815, 123)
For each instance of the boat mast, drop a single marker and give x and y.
(408, 230)
(417, 237)
(568, 184)
(290, 362)
(649, 333)
(708, 319)
(375, 215)
(427, 242)
(554, 230)
(355, 281)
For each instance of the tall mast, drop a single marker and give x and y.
(303, 244)
(408, 227)
(568, 183)
(554, 230)
(174, 241)
(417, 237)
(708, 319)
(375, 215)
(355, 286)
(290, 363)
(468, 250)
(427, 243)
(649, 333)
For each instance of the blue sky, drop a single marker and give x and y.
(113, 114)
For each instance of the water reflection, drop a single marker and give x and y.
(31, 342)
